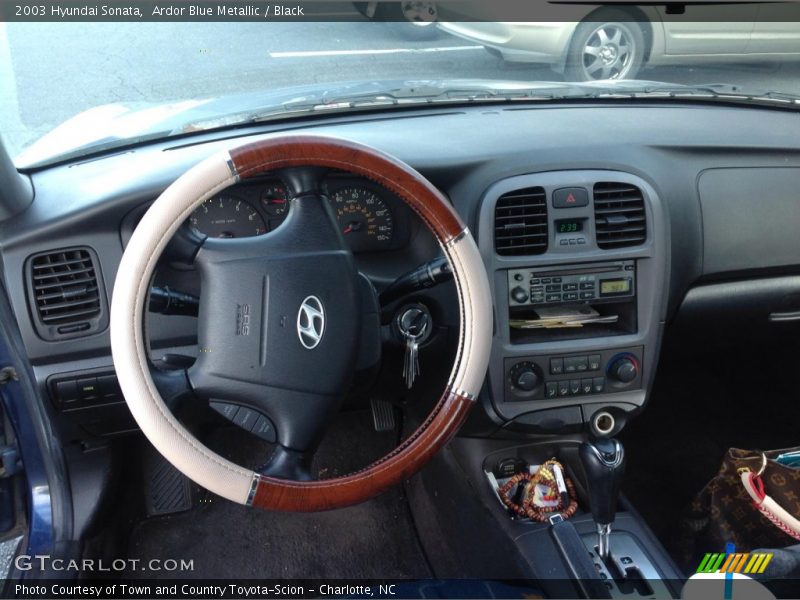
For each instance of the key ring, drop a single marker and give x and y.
(413, 321)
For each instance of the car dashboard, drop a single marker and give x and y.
(600, 209)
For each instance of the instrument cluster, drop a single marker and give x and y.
(370, 217)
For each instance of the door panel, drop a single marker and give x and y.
(696, 32)
(777, 29)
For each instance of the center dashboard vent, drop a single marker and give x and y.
(520, 222)
(66, 293)
(619, 215)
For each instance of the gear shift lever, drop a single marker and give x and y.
(604, 462)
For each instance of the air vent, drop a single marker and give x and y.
(619, 215)
(66, 293)
(520, 222)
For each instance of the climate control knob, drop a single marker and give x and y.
(524, 377)
(519, 295)
(624, 369)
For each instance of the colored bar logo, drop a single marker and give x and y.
(736, 562)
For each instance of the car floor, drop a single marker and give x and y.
(673, 449)
(376, 539)
(701, 407)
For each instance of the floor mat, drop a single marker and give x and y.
(375, 539)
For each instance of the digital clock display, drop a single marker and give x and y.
(615, 286)
(569, 226)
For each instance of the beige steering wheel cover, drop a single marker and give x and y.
(216, 473)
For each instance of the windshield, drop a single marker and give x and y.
(71, 88)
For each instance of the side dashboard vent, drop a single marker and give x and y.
(619, 215)
(66, 293)
(520, 222)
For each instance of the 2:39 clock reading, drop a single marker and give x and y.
(569, 226)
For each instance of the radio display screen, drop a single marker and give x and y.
(569, 226)
(615, 286)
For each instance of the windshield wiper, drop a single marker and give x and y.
(382, 94)
(714, 91)
(417, 95)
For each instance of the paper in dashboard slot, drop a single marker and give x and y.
(563, 316)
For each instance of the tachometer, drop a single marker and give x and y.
(227, 216)
(364, 218)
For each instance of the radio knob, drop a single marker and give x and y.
(524, 377)
(519, 295)
(625, 369)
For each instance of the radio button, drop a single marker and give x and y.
(571, 296)
(570, 287)
(556, 279)
(587, 295)
(556, 366)
(518, 295)
(581, 241)
(545, 280)
(587, 285)
(553, 288)
(553, 298)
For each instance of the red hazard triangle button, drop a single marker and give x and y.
(570, 197)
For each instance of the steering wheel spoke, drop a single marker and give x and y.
(184, 245)
(173, 385)
(298, 417)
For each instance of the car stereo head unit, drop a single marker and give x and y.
(574, 284)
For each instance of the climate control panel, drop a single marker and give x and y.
(576, 374)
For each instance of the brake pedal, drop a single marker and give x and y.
(382, 415)
(167, 490)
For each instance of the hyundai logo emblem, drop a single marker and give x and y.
(311, 322)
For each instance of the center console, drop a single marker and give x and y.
(578, 261)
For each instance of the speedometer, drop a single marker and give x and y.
(227, 216)
(364, 218)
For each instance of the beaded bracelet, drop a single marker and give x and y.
(543, 476)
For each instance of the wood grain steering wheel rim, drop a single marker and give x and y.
(171, 210)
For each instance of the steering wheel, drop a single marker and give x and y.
(278, 325)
